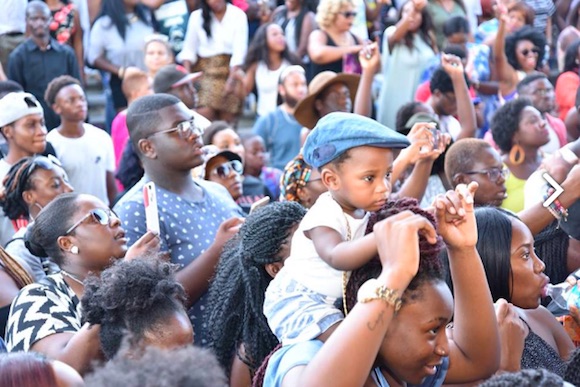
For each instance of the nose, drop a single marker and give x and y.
(114, 220)
(442, 345)
(67, 187)
(539, 265)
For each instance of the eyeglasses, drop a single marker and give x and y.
(543, 92)
(492, 173)
(185, 130)
(534, 51)
(99, 215)
(224, 170)
(348, 14)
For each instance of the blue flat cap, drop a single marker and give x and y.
(336, 133)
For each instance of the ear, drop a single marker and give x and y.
(273, 268)
(147, 148)
(56, 108)
(304, 197)
(460, 178)
(318, 105)
(29, 197)
(330, 179)
(281, 90)
(65, 242)
(8, 131)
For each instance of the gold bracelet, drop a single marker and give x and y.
(373, 289)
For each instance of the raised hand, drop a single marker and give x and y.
(397, 239)
(147, 245)
(370, 57)
(512, 333)
(452, 65)
(455, 217)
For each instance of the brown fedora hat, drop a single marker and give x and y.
(305, 113)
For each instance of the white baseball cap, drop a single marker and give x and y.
(14, 106)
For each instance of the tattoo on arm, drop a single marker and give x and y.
(378, 321)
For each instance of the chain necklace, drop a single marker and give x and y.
(72, 277)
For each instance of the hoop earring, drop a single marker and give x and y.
(517, 155)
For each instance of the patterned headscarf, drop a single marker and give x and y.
(296, 175)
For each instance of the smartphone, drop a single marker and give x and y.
(436, 137)
(259, 203)
(151, 210)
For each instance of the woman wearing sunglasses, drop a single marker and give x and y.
(30, 185)
(82, 236)
(517, 55)
(333, 47)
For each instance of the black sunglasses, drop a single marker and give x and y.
(526, 52)
(348, 14)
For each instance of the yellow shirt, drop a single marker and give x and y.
(515, 191)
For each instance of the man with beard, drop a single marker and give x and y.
(279, 129)
(40, 59)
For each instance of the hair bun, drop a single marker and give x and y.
(34, 248)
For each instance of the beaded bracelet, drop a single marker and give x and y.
(556, 208)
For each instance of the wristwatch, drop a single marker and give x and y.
(373, 289)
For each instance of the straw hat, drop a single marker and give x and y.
(305, 113)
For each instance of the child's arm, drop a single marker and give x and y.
(341, 254)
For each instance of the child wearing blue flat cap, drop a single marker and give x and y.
(354, 155)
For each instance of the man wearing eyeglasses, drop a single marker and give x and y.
(196, 217)
(538, 89)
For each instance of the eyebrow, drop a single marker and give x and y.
(527, 244)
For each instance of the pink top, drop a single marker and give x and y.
(566, 87)
(120, 136)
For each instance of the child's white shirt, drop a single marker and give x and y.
(304, 264)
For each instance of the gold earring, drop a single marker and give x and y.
(517, 155)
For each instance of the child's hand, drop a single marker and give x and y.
(455, 217)
(421, 138)
(397, 239)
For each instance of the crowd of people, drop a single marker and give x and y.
(390, 219)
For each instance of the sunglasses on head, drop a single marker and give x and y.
(43, 162)
(348, 14)
(526, 52)
(99, 215)
(224, 170)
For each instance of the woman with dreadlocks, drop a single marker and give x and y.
(241, 337)
(29, 186)
(396, 333)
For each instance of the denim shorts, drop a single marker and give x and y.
(295, 313)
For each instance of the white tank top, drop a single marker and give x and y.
(267, 86)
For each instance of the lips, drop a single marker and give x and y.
(120, 235)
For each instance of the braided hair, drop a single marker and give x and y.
(530, 377)
(236, 294)
(16, 182)
(551, 246)
(572, 373)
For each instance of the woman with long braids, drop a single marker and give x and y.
(30, 185)
(397, 331)
(117, 41)
(216, 43)
(241, 337)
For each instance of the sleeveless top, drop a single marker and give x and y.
(62, 26)
(336, 65)
(539, 354)
(267, 86)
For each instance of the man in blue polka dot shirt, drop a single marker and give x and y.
(196, 217)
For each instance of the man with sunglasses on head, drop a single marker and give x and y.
(196, 217)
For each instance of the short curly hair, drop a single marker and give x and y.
(328, 10)
(130, 299)
(524, 33)
(189, 366)
(506, 121)
(56, 85)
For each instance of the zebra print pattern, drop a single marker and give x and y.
(40, 310)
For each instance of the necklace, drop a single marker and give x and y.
(72, 277)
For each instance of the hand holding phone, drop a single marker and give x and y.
(151, 210)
